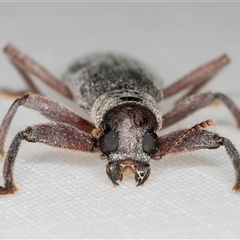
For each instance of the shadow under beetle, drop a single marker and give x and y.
(120, 95)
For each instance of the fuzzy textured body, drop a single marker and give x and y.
(95, 75)
(120, 95)
(123, 100)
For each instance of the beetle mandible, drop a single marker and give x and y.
(122, 98)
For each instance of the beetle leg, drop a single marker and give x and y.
(193, 91)
(195, 138)
(47, 107)
(31, 86)
(27, 65)
(198, 77)
(53, 134)
(196, 102)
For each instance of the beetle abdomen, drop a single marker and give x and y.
(97, 74)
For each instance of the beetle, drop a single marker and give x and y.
(122, 98)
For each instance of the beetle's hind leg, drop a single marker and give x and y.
(25, 66)
(197, 78)
(27, 79)
(53, 134)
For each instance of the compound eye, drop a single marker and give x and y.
(150, 142)
(108, 142)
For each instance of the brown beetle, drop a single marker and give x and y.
(123, 101)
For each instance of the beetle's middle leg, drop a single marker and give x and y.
(195, 102)
(47, 107)
(59, 135)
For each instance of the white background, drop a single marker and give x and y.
(66, 195)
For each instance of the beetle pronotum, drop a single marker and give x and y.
(123, 101)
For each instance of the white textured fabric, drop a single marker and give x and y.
(64, 195)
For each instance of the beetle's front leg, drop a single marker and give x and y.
(196, 138)
(51, 109)
(54, 134)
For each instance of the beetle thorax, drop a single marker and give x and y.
(110, 100)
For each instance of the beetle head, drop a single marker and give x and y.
(128, 140)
